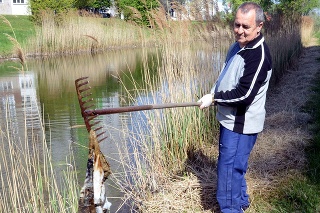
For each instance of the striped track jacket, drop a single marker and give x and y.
(240, 90)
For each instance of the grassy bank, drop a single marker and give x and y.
(301, 193)
(304, 193)
(19, 27)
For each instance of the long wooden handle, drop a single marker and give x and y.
(139, 108)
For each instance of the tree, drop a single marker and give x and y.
(286, 6)
(57, 8)
(265, 4)
(137, 10)
(302, 7)
(102, 3)
(97, 4)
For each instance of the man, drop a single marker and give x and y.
(240, 95)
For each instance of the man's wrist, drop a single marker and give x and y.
(212, 97)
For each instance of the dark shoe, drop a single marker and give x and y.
(245, 207)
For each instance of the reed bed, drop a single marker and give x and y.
(168, 144)
(84, 34)
(307, 29)
(283, 35)
(28, 180)
(77, 34)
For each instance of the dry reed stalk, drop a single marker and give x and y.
(16, 44)
(162, 150)
(158, 19)
(69, 38)
(307, 29)
(27, 175)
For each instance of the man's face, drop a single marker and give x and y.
(245, 27)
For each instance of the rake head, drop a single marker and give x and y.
(86, 105)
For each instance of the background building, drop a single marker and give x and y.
(14, 7)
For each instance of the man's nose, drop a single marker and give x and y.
(240, 30)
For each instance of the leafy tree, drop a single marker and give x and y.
(137, 10)
(265, 4)
(286, 6)
(299, 6)
(83, 4)
(102, 3)
(57, 8)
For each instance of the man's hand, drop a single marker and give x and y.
(206, 100)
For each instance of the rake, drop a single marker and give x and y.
(88, 113)
(92, 194)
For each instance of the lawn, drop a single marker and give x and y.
(21, 29)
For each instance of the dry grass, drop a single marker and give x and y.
(279, 153)
(28, 179)
(158, 155)
(83, 34)
(307, 29)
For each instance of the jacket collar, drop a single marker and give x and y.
(255, 42)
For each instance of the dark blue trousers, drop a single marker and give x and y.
(234, 151)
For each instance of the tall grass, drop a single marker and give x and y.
(84, 34)
(161, 150)
(283, 35)
(78, 34)
(28, 179)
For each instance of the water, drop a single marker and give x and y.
(47, 90)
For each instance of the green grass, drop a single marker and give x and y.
(314, 149)
(23, 28)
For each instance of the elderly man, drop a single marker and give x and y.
(240, 94)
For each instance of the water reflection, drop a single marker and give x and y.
(49, 85)
(48, 91)
(19, 101)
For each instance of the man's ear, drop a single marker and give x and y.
(260, 27)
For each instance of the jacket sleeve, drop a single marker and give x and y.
(254, 74)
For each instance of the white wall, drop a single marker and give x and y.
(5, 7)
(20, 9)
(8, 8)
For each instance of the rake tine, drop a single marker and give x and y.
(87, 107)
(82, 84)
(100, 134)
(87, 101)
(86, 95)
(99, 141)
(97, 129)
(95, 123)
(91, 118)
(80, 79)
(85, 89)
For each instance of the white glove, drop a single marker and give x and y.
(206, 100)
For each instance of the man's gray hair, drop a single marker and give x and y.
(247, 6)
